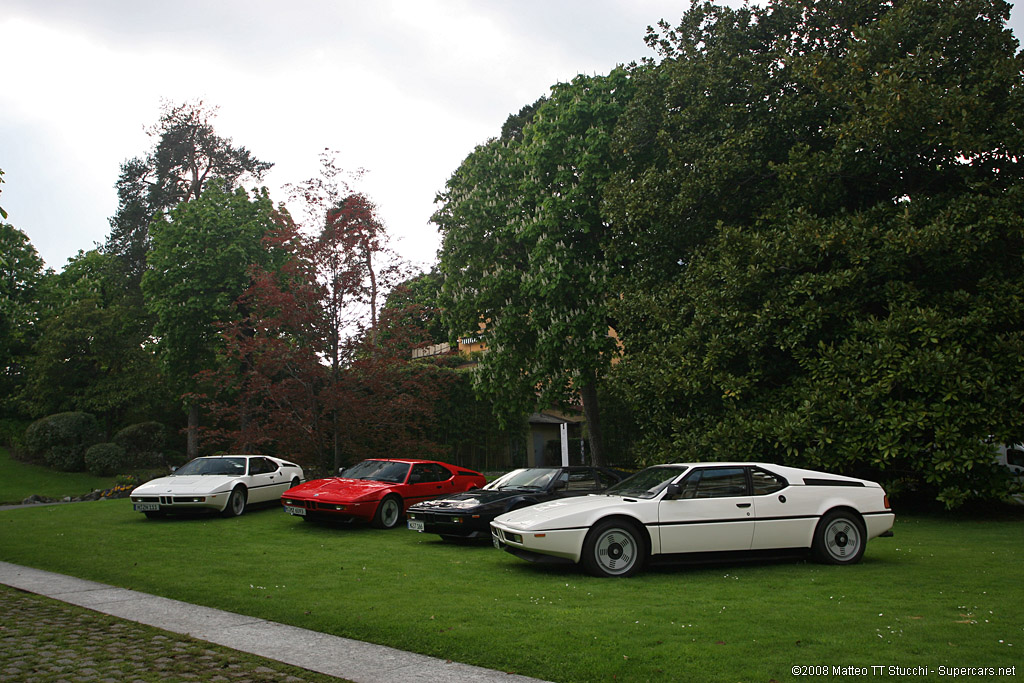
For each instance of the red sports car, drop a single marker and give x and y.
(378, 491)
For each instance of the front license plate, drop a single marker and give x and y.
(415, 526)
(147, 507)
(301, 512)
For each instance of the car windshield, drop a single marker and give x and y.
(535, 478)
(231, 466)
(646, 483)
(378, 470)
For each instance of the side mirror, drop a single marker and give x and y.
(559, 485)
(673, 491)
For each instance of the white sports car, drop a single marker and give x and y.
(224, 483)
(694, 509)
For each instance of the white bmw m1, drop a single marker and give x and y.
(697, 510)
(222, 483)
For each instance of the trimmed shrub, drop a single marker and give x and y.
(105, 459)
(61, 439)
(143, 443)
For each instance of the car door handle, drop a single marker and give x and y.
(742, 505)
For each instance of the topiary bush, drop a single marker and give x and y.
(144, 443)
(62, 439)
(105, 459)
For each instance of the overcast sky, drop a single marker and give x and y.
(402, 88)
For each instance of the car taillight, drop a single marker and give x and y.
(886, 502)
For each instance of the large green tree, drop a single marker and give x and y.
(200, 264)
(821, 218)
(523, 252)
(187, 156)
(21, 271)
(91, 353)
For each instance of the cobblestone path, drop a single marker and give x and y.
(46, 641)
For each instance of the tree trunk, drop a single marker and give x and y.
(588, 392)
(335, 445)
(192, 449)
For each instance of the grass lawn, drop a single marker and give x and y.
(19, 480)
(943, 592)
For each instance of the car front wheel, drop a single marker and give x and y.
(614, 548)
(839, 538)
(236, 503)
(388, 513)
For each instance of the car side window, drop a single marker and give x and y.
(581, 480)
(419, 474)
(261, 466)
(720, 482)
(766, 482)
(426, 473)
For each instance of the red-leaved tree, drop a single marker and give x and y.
(306, 373)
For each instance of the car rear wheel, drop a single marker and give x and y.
(236, 503)
(389, 512)
(839, 538)
(614, 548)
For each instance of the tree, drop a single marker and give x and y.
(199, 266)
(524, 252)
(3, 214)
(188, 155)
(308, 363)
(414, 304)
(21, 271)
(826, 239)
(91, 353)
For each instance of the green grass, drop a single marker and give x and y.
(19, 480)
(943, 592)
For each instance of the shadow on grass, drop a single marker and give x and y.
(254, 509)
(689, 565)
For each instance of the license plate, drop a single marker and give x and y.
(147, 507)
(301, 512)
(415, 526)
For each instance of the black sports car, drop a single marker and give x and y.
(468, 515)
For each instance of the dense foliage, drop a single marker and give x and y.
(21, 271)
(523, 252)
(144, 443)
(106, 459)
(821, 223)
(62, 439)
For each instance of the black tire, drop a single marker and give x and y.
(236, 502)
(295, 482)
(839, 538)
(614, 548)
(389, 512)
